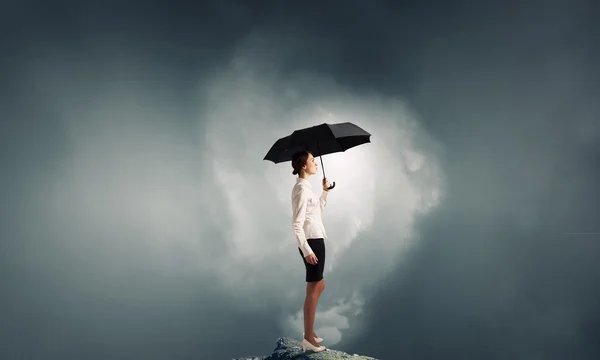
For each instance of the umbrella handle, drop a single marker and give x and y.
(331, 186)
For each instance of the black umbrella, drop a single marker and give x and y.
(319, 140)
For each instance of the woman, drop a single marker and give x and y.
(310, 235)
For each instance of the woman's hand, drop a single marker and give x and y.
(326, 184)
(312, 259)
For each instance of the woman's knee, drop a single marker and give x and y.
(313, 288)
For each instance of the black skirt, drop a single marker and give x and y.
(315, 272)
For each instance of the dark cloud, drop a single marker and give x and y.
(505, 267)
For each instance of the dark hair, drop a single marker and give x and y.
(299, 160)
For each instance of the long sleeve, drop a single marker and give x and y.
(299, 202)
(323, 199)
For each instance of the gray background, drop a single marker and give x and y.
(139, 220)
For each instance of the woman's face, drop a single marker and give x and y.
(311, 165)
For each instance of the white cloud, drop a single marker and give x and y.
(330, 322)
(396, 177)
(140, 187)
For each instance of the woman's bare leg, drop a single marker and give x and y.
(313, 291)
(321, 287)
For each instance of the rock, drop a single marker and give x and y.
(288, 349)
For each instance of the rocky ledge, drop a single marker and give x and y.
(288, 349)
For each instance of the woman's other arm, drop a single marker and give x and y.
(323, 197)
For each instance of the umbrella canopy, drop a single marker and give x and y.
(318, 140)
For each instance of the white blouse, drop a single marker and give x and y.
(306, 214)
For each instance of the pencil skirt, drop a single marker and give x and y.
(315, 272)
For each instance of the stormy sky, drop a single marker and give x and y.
(140, 221)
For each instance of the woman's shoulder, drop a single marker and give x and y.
(300, 188)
